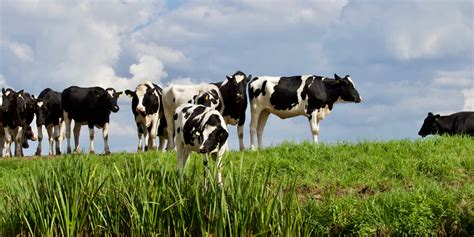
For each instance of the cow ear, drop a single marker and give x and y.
(3, 90)
(228, 78)
(249, 78)
(119, 93)
(196, 133)
(223, 136)
(430, 114)
(437, 116)
(338, 78)
(129, 93)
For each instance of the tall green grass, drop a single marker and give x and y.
(385, 188)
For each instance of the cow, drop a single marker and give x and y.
(461, 123)
(234, 96)
(147, 107)
(17, 114)
(49, 113)
(88, 106)
(200, 129)
(308, 95)
(176, 95)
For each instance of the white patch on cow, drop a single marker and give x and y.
(1, 100)
(323, 112)
(350, 80)
(239, 78)
(7, 93)
(40, 104)
(111, 92)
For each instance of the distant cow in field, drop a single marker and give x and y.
(49, 113)
(147, 107)
(17, 114)
(88, 106)
(176, 95)
(461, 123)
(311, 96)
(234, 95)
(201, 129)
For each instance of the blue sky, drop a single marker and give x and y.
(406, 57)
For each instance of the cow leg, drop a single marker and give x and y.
(314, 124)
(262, 120)
(40, 139)
(67, 122)
(153, 132)
(182, 154)
(205, 171)
(77, 132)
(58, 136)
(105, 135)
(50, 131)
(255, 114)
(161, 143)
(240, 134)
(19, 141)
(2, 140)
(8, 142)
(91, 139)
(140, 137)
(170, 130)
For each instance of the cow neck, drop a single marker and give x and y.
(443, 125)
(331, 92)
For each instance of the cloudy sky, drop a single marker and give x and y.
(406, 57)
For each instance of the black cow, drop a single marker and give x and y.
(311, 96)
(49, 113)
(201, 129)
(147, 107)
(234, 94)
(17, 114)
(88, 106)
(458, 123)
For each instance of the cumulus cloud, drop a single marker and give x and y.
(468, 99)
(148, 68)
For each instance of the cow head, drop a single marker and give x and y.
(144, 97)
(213, 138)
(6, 98)
(430, 125)
(235, 88)
(209, 99)
(346, 89)
(41, 111)
(109, 97)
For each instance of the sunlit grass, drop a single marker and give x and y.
(385, 188)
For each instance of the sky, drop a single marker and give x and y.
(406, 58)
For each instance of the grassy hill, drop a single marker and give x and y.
(385, 188)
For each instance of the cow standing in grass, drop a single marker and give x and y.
(88, 106)
(200, 129)
(234, 95)
(311, 96)
(147, 107)
(176, 95)
(49, 114)
(461, 123)
(17, 115)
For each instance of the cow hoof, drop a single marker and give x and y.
(58, 153)
(38, 153)
(68, 150)
(92, 152)
(107, 153)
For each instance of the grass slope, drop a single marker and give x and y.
(384, 188)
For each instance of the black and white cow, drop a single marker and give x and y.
(234, 96)
(461, 123)
(49, 113)
(88, 106)
(147, 107)
(17, 114)
(176, 95)
(311, 96)
(201, 129)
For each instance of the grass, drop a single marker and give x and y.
(422, 187)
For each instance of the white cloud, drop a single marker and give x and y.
(117, 128)
(21, 51)
(468, 99)
(149, 68)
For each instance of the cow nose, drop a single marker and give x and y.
(140, 109)
(202, 150)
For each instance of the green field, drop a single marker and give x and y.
(379, 188)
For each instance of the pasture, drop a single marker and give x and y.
(421, 187)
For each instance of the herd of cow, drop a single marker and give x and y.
(188, 117)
